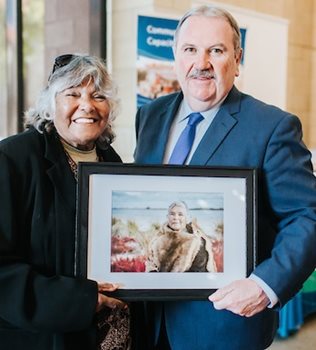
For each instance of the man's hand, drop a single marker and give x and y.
(243, 297)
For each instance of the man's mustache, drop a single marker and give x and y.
(197, 73)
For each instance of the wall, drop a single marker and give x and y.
(301, 84)
(67, 28)
(312, 116)
(122, 40)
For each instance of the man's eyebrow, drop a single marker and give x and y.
(187, 44)
(219, 45)
(211, 46)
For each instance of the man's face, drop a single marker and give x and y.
(206, 63)
(177, 218)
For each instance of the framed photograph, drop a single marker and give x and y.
(165, 232)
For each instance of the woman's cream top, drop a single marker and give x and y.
(78, 155)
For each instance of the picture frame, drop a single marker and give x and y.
(125, 230)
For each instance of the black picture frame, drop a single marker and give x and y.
(119, 206)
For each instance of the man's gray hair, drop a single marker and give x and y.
(74, 73)
(211, 11)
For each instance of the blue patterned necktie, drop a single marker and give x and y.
(185, 141)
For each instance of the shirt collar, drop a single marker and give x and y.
(184, 111)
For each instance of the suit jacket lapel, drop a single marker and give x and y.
(214, 136)
(157, 122)
(64, 187)
(223, 122)
(63, 180)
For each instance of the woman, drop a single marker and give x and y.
(180, 246)
(42, 305)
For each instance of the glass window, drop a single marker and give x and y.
(19, 91)
(33, 49)
(3, 80)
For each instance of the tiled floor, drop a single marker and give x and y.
(304, 339)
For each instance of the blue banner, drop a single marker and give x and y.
(155, 37)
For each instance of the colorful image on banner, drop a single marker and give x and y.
(155, 60)
(155, 73)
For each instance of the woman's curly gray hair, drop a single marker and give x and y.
(79, 68)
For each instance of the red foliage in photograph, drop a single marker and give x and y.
(126, 264)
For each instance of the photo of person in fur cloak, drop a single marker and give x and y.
(180, 245)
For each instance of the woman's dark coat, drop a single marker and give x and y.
(42, 306)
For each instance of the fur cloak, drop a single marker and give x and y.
(175, 251)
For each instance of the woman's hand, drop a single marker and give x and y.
(106, 301)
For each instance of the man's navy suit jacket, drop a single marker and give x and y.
(245, 133)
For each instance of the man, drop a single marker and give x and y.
(236, 130)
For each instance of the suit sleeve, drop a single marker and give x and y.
(31, 298)
(290, 188)
(137, 123)
(137, 133)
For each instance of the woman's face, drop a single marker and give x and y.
(81, 115)
(177, 218)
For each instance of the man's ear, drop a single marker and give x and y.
(238, 57)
